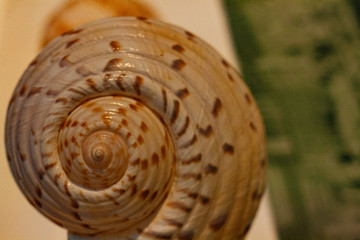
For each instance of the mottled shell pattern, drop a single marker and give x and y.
(129, 128)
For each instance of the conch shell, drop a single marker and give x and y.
(129, 128)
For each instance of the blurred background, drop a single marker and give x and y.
(300, 60)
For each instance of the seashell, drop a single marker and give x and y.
(73, 13)
(129, 128)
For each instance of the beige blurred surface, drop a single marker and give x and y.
(21, 26)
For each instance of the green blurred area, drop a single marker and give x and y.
(301, 60)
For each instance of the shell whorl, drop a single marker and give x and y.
(133, 128)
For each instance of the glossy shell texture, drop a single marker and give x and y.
(129, 128)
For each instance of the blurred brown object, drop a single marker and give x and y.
(73, 13)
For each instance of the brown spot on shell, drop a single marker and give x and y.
(74, 155)
(61, 100)
(144, 193)
(34, 90)
(191, 142)
(163, 151)
(135, 162)
(155, 159)
(72, 32)
(182, 93)
(179, 205)
(230, 77)
(115, 45)
(76, 216)
(87, 226)
(124, 122)
(186, 235)
(74, 141)
(34, 62)
(41, 174)
(139, 104)
(122, 111)
(144, 19)
(23, 157)
(141, 18)
(252, 126)
(193, 195)
(119, 82)
(65, 62)
(90, 104)
(185, 127)
(38, 203)
(91, 83)
(137, 85)
(217, 107)
(68, 123)
(76, 91)
(210, 169)
(75, 123)
(133, 107)
(248, 98)
(206, 132)
(144, 164)
(121, 191)
(218, 222)
(204, 200)
(97, 109)
(84, 125)
(263, 162)
(175, 112)
(22, 91)
(195, 159)
(140, 139)
(13, 98)
(144, 127)
(225, 63)
(106, 119)
(50, 165)
(131, 178)
(153, 195)
(246, 230)
(72, 42)
(189, 35)
(38, 192)
(112, 65)
(83, 71)
(52, 93)
(178, 64)
(228, 149)
(173, 222)
(66, 143)
(163, 91)
(134, 145)
(178, 48)
(134, 189)
(74, 204)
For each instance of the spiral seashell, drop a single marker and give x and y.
(129, 128)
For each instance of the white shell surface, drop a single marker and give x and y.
(196, 171)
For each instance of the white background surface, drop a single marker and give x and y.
(21, 26)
